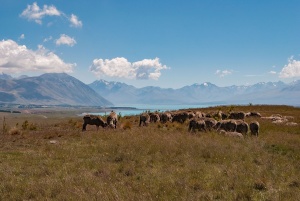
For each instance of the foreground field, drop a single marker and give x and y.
(47, 157)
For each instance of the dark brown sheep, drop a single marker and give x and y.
(180, 117)
(154, 117)
(144, 119)
(224, 116)
(210, 123)
(226, 125)
(165, 117)
(196, 125)
(237, 115)
(254, 128)
(93, 120)
(191, 114)
(242, 127)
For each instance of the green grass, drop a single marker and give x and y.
(56, 161)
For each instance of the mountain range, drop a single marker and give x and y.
(205, 93)
(63, 89)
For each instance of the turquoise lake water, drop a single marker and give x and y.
(126, 110)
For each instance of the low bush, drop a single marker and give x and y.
(14, 131)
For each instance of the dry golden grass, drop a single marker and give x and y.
(56, 161)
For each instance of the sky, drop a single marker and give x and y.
(167, 43)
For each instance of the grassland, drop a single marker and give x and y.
(45, 156)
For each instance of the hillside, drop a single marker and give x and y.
(49, 89)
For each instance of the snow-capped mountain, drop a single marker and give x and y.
(60, 88)
(198, 93)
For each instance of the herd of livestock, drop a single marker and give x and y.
(232, 124)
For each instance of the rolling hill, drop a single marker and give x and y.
(49, 89)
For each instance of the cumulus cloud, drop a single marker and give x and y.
(121, 67)
(16, 58)
(65, 40)
(292, 69)
(35, 13)
(223, 73)
(74, 21)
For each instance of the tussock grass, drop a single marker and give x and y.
(154, 162)
(14, 131)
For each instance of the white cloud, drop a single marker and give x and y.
(48, 39)
(121, 67)
(74, 21)
(292, 69)
(65, 40)
(16, 58)
(22, 37)
(34, 12)
(273, 72)
(223, 73)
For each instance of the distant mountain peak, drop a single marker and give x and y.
(22, 76)
(204, 84)
(109, 84)
(104, 82)
(295, 82)
(261, 83)
(197, 93)
(101, 81)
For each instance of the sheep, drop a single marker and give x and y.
(254, 128)
(93, 120)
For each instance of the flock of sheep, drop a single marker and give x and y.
(232, 124)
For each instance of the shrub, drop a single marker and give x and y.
(72, 122)
(4, 126)
(32, 127)
(78, 124)
(29, 126)
(15, 131)
(260, 185)
(25, 125)
(127, 125)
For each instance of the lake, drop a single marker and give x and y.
(127, 110)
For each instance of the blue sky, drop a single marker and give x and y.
(158, 43)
